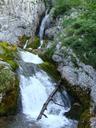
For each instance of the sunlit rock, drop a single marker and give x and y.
(19, 18)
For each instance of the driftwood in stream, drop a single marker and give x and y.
(48, 100)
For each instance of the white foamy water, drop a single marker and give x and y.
(30, 58)
(35, 90)
(43, 25)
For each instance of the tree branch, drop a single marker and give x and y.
(48, 100)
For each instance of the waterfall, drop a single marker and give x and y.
(35, 89)
(44, 23)
(21, 17)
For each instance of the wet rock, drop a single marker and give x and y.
(9, 89)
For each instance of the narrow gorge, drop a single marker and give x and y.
(42, 43)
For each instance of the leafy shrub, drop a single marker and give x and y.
(63, 5)
(80, 35)
(8, 54)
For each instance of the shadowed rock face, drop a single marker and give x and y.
(19, 18)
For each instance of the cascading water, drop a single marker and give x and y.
(35, 85)
(35, 88)
(44, 23)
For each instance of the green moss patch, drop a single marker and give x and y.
(8, 54)
(31, 44)
(9, 88)
(80, 36)
(85, 119)
(7, 78)
(36, 43)
(51, 70)
(22, 40)
(61, 6)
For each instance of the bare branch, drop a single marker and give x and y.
(48, 100)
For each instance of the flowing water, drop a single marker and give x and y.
(44, 23)
(35, 84)
(35, 87)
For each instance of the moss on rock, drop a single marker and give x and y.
(8, 54)
(9, 90)
(36, 43)
(51, 70)
(85, 119)
(22, 40)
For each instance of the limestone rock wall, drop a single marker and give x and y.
(19, 17)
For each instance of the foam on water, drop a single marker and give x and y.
(35, 90)
(30, 58)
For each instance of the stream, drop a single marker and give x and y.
(35, 87)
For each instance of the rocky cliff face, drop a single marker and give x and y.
(18, 18)
(75, 64)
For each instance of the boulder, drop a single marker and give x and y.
(74, 71)
(9, 85)
(9, 90)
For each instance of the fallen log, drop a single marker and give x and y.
(48, 100)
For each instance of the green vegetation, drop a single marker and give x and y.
(81, 37)
(22, 40)
(61, 6)
(8, 81)
(49, 52)
(8, 54)
(51, 70)
(36, 43)
(78, 23)
(31, 44)
(84, 119)
(78, 28)
(9, 88)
